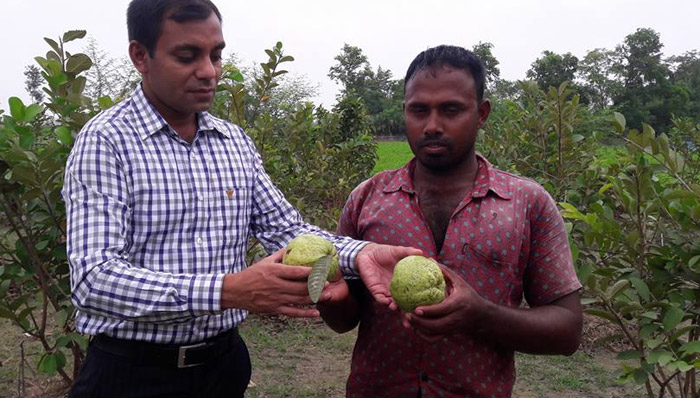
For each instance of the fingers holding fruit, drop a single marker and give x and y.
(460, 312)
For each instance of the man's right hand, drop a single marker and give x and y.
(269, 287)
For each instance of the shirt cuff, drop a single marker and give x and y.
(348, 254)
(205, 294)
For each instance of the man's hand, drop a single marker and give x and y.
(376, 265)
(334, 292)
(269, 287)
(461, 311)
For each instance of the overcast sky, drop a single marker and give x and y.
(390, 32)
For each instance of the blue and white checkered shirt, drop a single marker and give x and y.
(154, 223)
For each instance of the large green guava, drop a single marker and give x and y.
(306, 249)
(417, 281)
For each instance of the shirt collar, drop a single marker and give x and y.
(149, 121)
(485, 180)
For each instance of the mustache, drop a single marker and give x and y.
(435, 141)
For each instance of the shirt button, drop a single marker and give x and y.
(200, 241)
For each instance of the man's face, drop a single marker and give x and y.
(442, 116)
(180, 79)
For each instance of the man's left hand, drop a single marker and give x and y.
(462, 311)
(376, 265)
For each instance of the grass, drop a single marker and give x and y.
(392, 155)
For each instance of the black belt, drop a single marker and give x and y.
(181, 356)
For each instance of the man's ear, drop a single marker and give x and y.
(139, 56)
(484, 111)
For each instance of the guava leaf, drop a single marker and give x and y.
(317, 277)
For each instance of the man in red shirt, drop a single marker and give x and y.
(498, 236)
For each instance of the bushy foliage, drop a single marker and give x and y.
(314, 156)
(34, 143)
(635, 223)
(639, 258)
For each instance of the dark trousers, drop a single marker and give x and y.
(107, 373)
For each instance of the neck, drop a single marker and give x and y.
(458, 177)
(184, 124)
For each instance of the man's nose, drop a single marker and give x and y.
(206, 69)
(433, 124)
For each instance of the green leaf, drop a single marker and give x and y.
(24, 313)
(78, 63)
(286, 58)
(672, 318)
(24, 174)
(577, 138)
(237, 76)
(693, 261)
(73, 34)
(619, 122)
(641, 287)
(318, 276)
(53, 44)
(26, 138)
(61, 317)
(4, 287)
(16, 108)
(692, 347)
(31, 111)
(105, 102)
(617, 288)
(63, 341)
(5, 312)
(64, 135)
(81, 340)
(604, 188)
(640, 376)
(662, 357)
(601, 314)
(48, 364)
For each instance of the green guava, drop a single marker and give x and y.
(306, 249)
(417, 281)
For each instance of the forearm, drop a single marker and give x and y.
(116, 290)
(549, 329)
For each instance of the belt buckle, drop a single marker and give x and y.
(182, 355)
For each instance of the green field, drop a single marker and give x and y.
(392, 155)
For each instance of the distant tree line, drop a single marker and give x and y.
(634, 79)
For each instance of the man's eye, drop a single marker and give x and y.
(450, 110)
(216, 57)
(185, 59)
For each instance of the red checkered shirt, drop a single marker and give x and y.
(506, 238)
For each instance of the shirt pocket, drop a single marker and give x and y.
(231, 202)
(494, 277)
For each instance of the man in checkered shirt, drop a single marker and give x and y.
(162, 199)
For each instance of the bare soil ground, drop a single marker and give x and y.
(303, 358)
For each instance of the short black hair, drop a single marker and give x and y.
(144, 18)
(456, 57)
